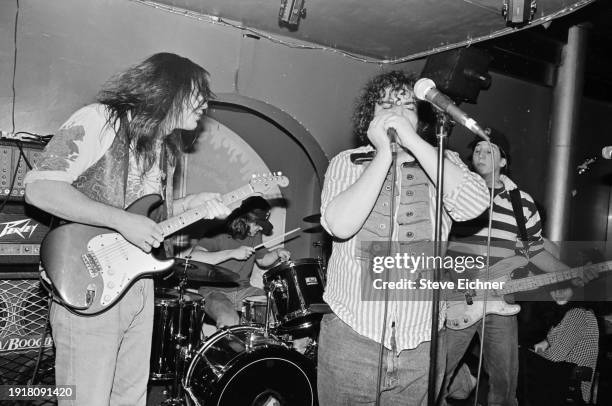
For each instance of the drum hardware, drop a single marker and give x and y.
(239, 365)
(313, 230)
(322, 260)
(194, 271)
(182, 353)
(271, 360)
(293, 287)
(313, 218)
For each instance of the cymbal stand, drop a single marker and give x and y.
(176, 391)
(322, 260)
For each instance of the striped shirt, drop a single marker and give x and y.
(575, 339)
(471, 237)
(412, 319)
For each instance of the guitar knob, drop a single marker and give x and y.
(465, 320)
(110, 285)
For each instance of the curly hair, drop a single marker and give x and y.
(155, 92)
(372, 93)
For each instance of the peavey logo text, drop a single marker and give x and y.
(23, 343)
(22, 228)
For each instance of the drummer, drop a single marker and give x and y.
(232, 248)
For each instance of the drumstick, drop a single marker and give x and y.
(279, 238)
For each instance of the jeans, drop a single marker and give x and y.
(500, 352)
(347, 369)
(106, 356)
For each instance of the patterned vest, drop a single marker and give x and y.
(105, 181)
(414, 223)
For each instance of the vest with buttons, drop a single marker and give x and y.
(414, 223)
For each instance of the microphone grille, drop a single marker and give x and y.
(422, 86)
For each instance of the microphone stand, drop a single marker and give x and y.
(443, 126)
(381, 352)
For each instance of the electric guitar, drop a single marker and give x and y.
(90, 268)
(465, 308)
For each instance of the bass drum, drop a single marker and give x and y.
(240, 366)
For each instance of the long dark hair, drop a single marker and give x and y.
(155, 93)
(372, 93)
(238, 228)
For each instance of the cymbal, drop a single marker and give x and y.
(195, 271)
(316, 229)
(313, 218)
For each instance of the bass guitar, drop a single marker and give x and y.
(465, 308)
(90, 267)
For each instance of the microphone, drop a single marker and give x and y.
(392, 134)
(606, 152)
(425, 89)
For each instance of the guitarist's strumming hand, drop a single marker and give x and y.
(141, 231)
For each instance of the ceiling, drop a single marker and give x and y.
(390, 31)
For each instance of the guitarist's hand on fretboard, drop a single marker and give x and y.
(587, 275)
(214, 208)
(211, 200)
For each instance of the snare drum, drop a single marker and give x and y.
(296, 286)
(254, 311)
(166, 333)
(241, 366)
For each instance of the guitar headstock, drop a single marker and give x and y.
(262, 183)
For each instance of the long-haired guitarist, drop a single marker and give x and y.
(103, 158)
(500, 342)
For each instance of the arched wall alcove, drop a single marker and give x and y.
(242, 136)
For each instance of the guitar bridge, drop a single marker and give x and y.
(92, 264)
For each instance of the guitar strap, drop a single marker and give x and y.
(519, 215)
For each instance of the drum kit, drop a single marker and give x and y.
(254, 363)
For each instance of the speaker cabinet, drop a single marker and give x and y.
(23, 320)
(460, 73)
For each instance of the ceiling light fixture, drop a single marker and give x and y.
(290, 13)
(518, 12)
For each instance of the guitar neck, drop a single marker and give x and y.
(549, 278)
(188, 217)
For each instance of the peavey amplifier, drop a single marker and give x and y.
(22, 229)
(13, 167)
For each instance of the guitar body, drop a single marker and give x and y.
(465, 308)
(91, 267)
(460, 314)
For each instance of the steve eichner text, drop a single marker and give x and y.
(411, 262)
(461, 284)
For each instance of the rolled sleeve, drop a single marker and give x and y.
(79, 143)
(470, 198)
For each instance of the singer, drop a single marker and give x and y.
(356, 205)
